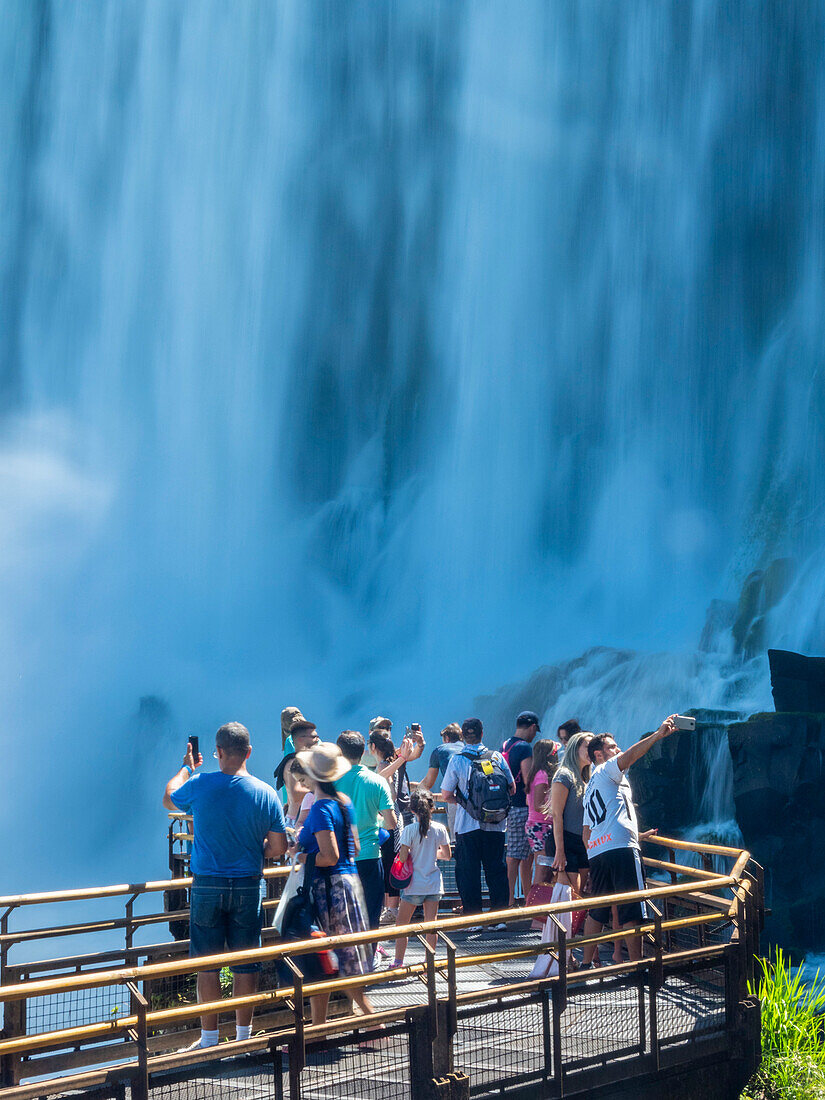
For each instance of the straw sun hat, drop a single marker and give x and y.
(324, 762)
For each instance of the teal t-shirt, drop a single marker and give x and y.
(369, 794)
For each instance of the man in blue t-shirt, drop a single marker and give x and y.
(440, 757)
(238, 822)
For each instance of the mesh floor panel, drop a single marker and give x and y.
(240, 1078)
(492, 1046)
(354, 1072)
(601, 1019)
(691, 1005)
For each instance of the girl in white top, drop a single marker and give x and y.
(426, 841)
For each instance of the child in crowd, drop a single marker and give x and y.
(426, 841)
(299, 798)
(539, 822)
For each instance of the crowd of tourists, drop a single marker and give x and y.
(366, 849)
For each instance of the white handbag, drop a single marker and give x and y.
(546, 966)
(293, 882)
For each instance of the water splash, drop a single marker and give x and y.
(403, 349)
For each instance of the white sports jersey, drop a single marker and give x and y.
(609, 810)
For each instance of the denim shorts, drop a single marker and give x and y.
(225, 915)
(419, 899)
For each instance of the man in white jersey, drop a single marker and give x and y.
(611, 833)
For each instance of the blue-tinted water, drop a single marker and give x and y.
(368, 356)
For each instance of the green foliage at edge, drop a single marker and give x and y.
(793, 1034)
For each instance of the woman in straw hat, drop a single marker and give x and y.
(329, 831)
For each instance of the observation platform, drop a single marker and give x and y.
(463, 1020)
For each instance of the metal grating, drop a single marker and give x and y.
(493, 1047)
(359, 1071)
(603, 1019)
(250, 1078)
(76, 1008)
(691, 1005)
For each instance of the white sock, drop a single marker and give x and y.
(243, 1031)
(209, 1038)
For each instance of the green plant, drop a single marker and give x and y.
(226, 981)
(793, 1052)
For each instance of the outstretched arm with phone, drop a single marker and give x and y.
(187, 768)
(629, 757)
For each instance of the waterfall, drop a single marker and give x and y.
(368, 356)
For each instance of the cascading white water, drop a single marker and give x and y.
(368, 356)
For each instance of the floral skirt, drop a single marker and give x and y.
(536, 832)
(341, 910)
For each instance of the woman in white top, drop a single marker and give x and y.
(426, 841)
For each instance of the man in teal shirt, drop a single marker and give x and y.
(371, 801)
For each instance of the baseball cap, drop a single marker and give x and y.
(529, 718)
(380, 723)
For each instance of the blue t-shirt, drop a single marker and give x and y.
(327, 814)
(442, 754)
(232, 815)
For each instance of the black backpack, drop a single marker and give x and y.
(488, 792)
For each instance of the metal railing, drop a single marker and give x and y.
(124, 1012)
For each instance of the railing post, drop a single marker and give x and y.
(561, 936)
(140, 1081)
(558, 1073)
(421, 1053)
(297, 1044)
(130, 927)
(277, 1068)
(559, 1001)
(452, 986)
(546, 1029)
(432, 992)
(447, 1017)
(14, 1026)
(655, 982)
(4, 944)
(757, 904)
(657, 945)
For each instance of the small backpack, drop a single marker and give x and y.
(488, 791)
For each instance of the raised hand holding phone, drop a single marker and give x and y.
(193, 758)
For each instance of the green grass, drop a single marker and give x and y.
(793, 1034)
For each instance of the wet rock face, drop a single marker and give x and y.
(797, 682)
(779, 793)
(671, 782)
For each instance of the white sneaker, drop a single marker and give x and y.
(500, 927)
(389, 916)
(197, 1045)
(476, 928)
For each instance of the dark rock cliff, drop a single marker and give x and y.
(779, 792)
(672, 783)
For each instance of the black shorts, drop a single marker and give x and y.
(575, 852)
(618, 872)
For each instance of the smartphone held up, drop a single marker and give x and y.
(683, 722)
